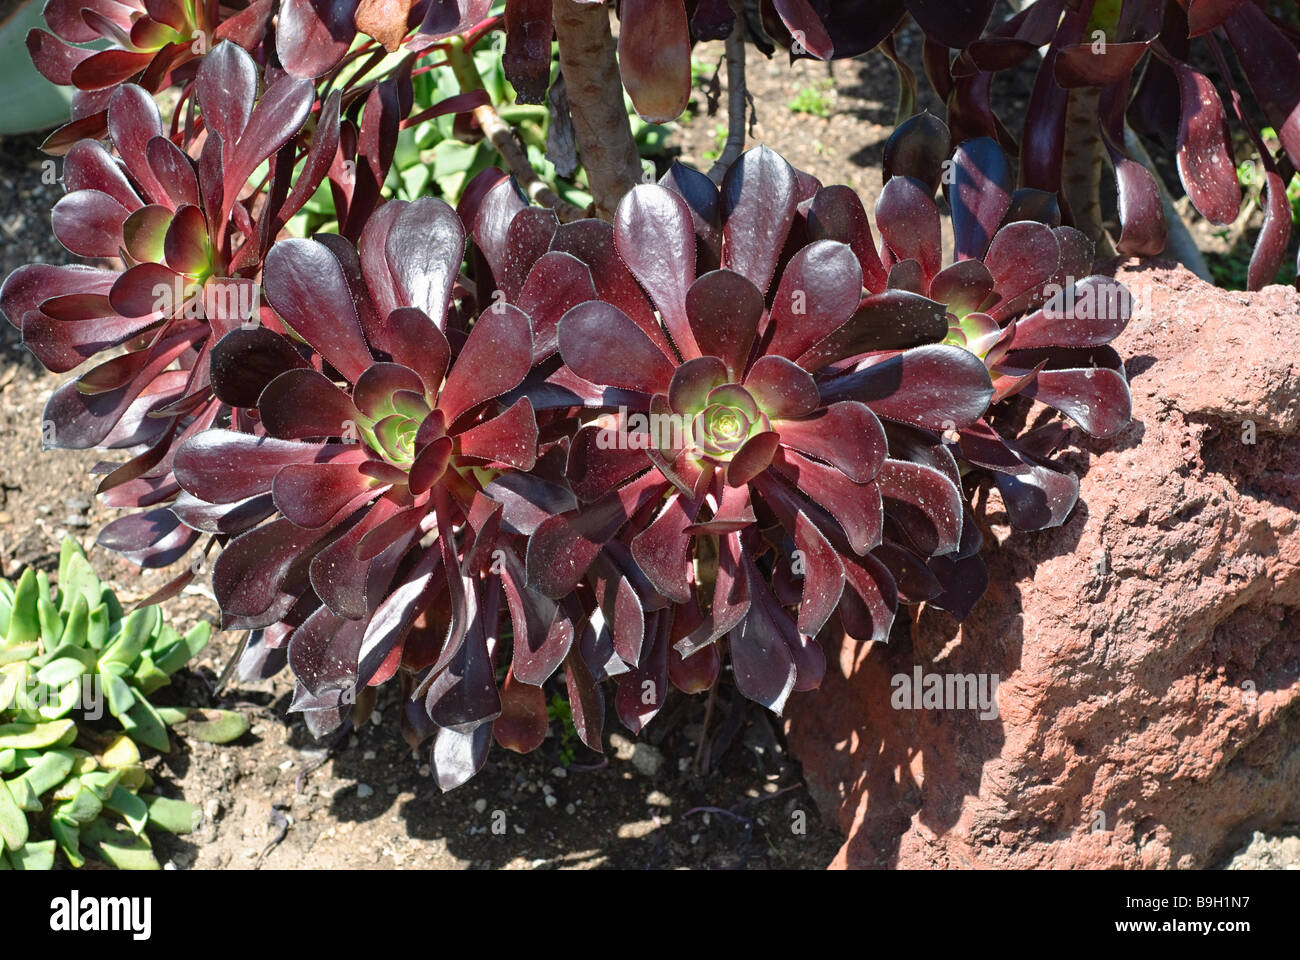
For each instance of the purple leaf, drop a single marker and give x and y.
(494, 360)
(226, 86)
(918, 149)
(893, 320)
(846, 435)
(953, 23)
(655, 236)
(980, 195)
(306, 403)
(313, 35)
(424, 248)
(654, 54)
(760, 647)
(245, 360)
(933, 387)
(306, 286)
(599, 343)
(759, 197)
(724, 310)
(819, 290)
(557, 283)
(781, 388)
(1274, 235)
(1205, 161)
(909, 223)
(222, 466)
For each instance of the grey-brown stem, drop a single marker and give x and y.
(600, 123)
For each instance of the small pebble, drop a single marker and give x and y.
(364, 790)
(551, 800)
(480, 805)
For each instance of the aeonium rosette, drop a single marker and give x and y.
(1021, 294)
(191, 247)
(361, 543)
(744, 468)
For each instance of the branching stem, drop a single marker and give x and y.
(737, 99)
(502, 137)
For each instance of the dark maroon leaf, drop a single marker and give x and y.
(806, 29)
(425, 246)
(963, 287)
(307, 287)
(933, 387)
(655, 235)
(856, 507)
(599, 343)
(893, 320)
(1096, 398)
(89, 223)
(1271, 63)
(311, 494)
(919, 148)
(980, 195)
(1274, 235)
(819, 290)
(846, 435)
(226, 86)
(1022, 258)
(527, 60)
(1089, 313)
(223, 466)
(781, 388)
(244, 361)
(753, 458)
(759, 197)
(248, 575)
(510, 439)
(313, 35)
(870, 599)
(563, 547)
(1084, 65)
(935, 502)
(557, 283)
(494, 360)
(724, 310)
(592, 242)
(954, 23)
(761, 660)
(1205, 161)
(459, 754)
(654, 54)
(909, 223)
(324, 652)
(586, 702)
(305, 403)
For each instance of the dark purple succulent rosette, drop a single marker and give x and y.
(1142, 75)
(764, 444)
(1021, 295)
(152, 43)
(374, 498)
(190, 253)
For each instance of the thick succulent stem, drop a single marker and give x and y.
(737, 100)
(600, 122)
(502, 138)
(1081, 168)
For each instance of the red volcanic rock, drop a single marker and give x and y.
(1148, 650)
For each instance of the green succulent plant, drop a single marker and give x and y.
(68, 656)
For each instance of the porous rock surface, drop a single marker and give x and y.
(1148, 650)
